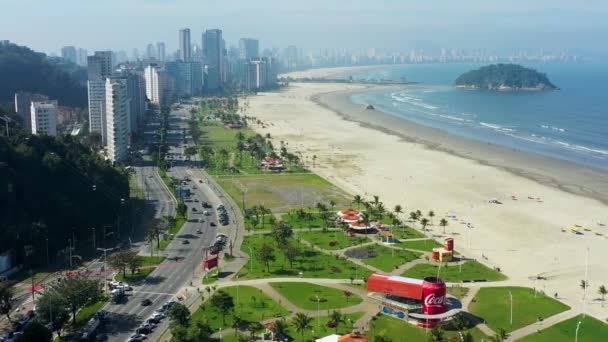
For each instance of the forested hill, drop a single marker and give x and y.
(53, 188)
(505, 77)
(22, 69)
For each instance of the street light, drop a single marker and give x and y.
(318, 317)
(105, 269)
(94, 245)
(511, 297)
(578, 325)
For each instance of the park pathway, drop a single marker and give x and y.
(547, 322)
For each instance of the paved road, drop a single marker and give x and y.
(169, 278)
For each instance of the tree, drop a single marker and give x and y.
(358, 200)
(280, 327)
(190, 151)
(281, 233)
(381, 337)
(431, 215)
(398, 209)
(77, 292)
(150, 236)
(500, 336)
(254, 329)
(179, 314)
(444, 224)
(424, 222)
(6, 300)
(291, 252)
(336, 318)
(437, 335)
(332, 204)
(134, 264)
(36, 332)
(584, 284)
(223, 302)
(51, 306)
(122, 259)
(201, 331)
(459, 322)
(266, 255)
(302, 323)
(347, 294)
(413, 217)
(179, 332)
(182, 208)
(602, 291)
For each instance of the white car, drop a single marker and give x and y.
(206, 213)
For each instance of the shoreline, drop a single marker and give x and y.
(560, 174)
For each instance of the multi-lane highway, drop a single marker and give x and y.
(182, 265)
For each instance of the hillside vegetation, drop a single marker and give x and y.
(22, 69)
(505, 77)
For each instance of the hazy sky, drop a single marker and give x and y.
(46, 25)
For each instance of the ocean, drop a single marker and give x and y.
(569, 124)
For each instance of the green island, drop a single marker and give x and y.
(505, 77)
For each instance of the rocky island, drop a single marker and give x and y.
(505, 77)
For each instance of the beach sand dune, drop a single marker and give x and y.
(524, 237)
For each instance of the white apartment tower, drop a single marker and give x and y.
(44, 117)
(153, 83)
(99, 67)
(117, 113)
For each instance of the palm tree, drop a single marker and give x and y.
(443, 223)
(602, 291)
(302, 323)
(398, 209)
(332, 204)
(431, 215)
(459, 322)
(254, 329)
(437, 335)
(337, 318)
(500, 336)
(358, 200)
(413, 217)
(584, 285)
(424, 222)
(280, 327)
(376, 200)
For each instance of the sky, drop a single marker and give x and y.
(387, 25)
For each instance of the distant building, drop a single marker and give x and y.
(259, 73)
(150, 51)
(291, 57)
(117, 112)
(160, 51)
(213, 56)
(188, 77)
(69, 53)
(44, 117)
(160, 85)
(136, 94)
(23, 106)
(249, 48)
(185, 49)
(81, 58)
(99, 67)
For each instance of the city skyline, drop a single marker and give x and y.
(388, 25)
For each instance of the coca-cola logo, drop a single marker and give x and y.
(432, 300)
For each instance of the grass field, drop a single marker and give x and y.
(392, 327)
(420, 245)
(407, 233)
(471, 270)
(310, 262)
(295, 222)
(493, 304)
(86, 313)
(148, 264)
(590, 330)
(331, 240)
(173, 229)
(388, 259)
(281, 192)
(458, 291)
(250, 304)
(304, 296)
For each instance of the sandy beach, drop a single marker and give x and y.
(370, 153)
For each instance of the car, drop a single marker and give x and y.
(198, 231)
(124, 287)
(185, 242)
(206, 205)
(200, 180)
(146, 302)
(137, 338)
(152, 320)
(196, 200)
(148, 325)
(194, 209)
(157, 315)
(212, 224)
(206, 213)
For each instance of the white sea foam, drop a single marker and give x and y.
(497, 128)
(553, 128)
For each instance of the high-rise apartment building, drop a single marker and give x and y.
(160, 86)
(81, 58)
(188, 77)
(213, 57)
(117, 112)
(150, 51)
(185, 49)
(249, 48)
(160, 51)
(23, 104)
(69, 53)
(99, 67)
(44, 117)
(260, 73)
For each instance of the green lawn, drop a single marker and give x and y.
(173, 230)
(304, 296)
(148, 263)
(282, 192)
(493, 304)
(407, 233)
(458, 291)
(590, 330)
(388, 259)
(471, 270)
(86, 313)
(312, 221)
(211, 277)
(331, 240)
(393, 327)
(310, 262)
(421, 245)
(250, 304)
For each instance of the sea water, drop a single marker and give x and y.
(569, 124)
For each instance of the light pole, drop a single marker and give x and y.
(250, 259)
(70, 251)
(94, 245)
(318, 317)
(586, 282)
(511, 298)
(578, 325)
(105, 269)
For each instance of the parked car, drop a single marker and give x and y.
(212, 224)
(146, 302)
(185, 242)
